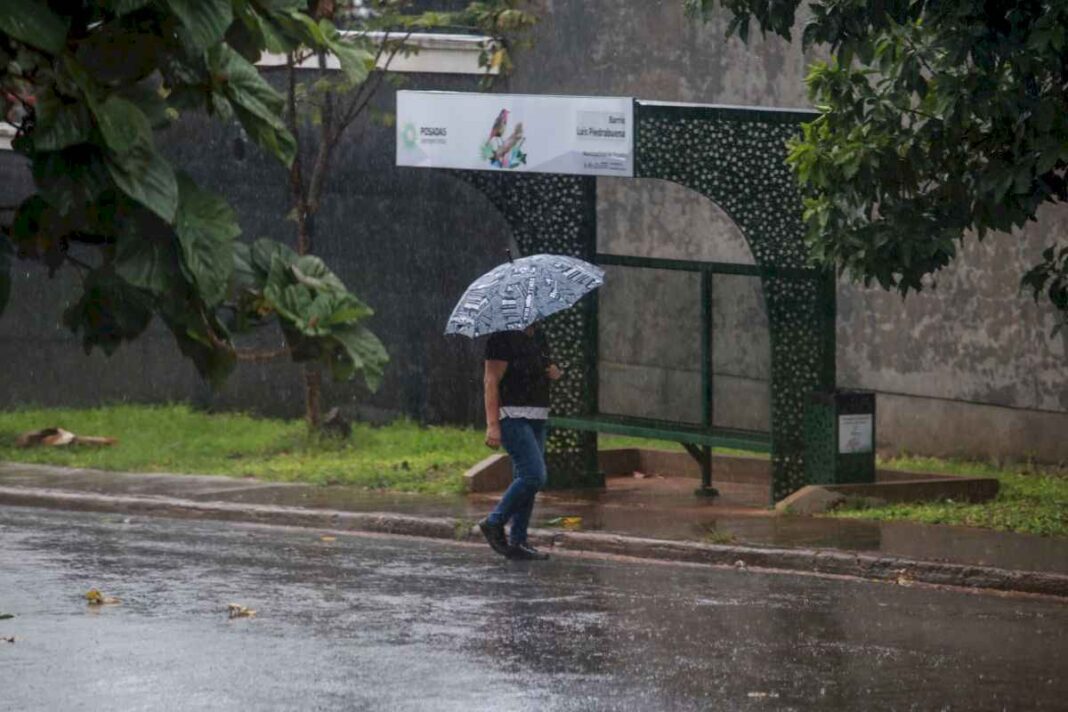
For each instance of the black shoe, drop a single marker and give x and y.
(526, 552)
(494, 534)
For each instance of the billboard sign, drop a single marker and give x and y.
(516, 133)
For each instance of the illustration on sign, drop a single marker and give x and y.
(504, 152)
(854, 433)
(570, 135)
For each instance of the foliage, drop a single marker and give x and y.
(402, 456)
(935, 119)
(87, 85)
(322, 105)
(1027, 503)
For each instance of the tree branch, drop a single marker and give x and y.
(255, 355)
(327, 141)
(298, 196)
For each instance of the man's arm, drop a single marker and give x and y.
(491, 381)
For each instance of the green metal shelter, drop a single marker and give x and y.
(736, 157)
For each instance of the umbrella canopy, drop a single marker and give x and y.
(520, 292)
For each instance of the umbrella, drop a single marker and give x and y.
(518, 293)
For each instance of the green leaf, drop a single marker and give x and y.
(72, 177)
(206, 227)
(146, 263)
(262, 254)
(355, 60)
(123, 125)
(33, 23)
(109, 312)
(60, 123)
(214, 359)
(360, 352)
(205, 21)
(257, 105)
(148, 178)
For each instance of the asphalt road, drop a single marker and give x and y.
(365, 623)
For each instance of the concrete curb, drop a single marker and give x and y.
(817, 561)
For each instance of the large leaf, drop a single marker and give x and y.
(148, 262)
(360, 352)
(310, 297)
(263, 252)
(123, 125)
(257, 105)
(355, 58)
(60, 123)
(109, 312)
(33, 23)
(256, 32)
(6, 252)
(206, 227)
(71, 178)
(148, 178)
(204, 21)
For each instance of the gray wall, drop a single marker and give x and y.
(967, 369)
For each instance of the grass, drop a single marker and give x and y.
(1032, 499)
(405, 456)
(175, 438)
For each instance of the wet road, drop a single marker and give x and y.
(393, 624)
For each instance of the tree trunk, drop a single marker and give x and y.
(313, 387)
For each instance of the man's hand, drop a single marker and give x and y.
(493, 436)
(554, 373)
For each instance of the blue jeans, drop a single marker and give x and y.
(524, 441)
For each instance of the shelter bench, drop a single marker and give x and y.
(697, 439)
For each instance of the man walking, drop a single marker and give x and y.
(518, 370)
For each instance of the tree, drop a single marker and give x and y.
(87, 84)
(320, 112)
(936, 119)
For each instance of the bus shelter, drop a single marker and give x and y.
(537, 160)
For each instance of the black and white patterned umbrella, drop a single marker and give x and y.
(520, 292)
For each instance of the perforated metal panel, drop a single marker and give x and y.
(557, 214)
(736, 158)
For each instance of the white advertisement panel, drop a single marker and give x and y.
(513, 132)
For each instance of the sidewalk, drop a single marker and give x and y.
(654, 518)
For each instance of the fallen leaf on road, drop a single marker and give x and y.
(565, 522)
(640, 475)
(904, 578)
(96, 598)
(327, 538)
(7, 639)
(238, 611)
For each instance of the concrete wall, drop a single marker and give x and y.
(967, 369)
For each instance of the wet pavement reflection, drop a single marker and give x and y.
(657, 507)
(372, 623)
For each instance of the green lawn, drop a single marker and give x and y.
(1032, 499)
(176, 438)
(408, 457)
